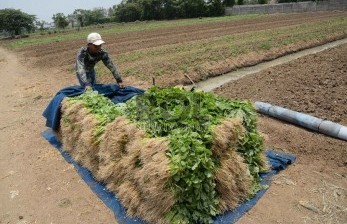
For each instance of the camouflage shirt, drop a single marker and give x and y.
(85, 63)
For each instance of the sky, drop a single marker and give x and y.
(44, 9)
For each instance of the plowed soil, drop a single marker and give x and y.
(38, 186)
(61, 54)
(314, 189)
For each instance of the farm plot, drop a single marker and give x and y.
(316, 85)
(202, 49)
(44, 189)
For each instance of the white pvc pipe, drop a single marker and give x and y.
(323, 126)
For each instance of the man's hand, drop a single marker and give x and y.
(120, 84)
(87, 88)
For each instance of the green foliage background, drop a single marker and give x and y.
(16, 22)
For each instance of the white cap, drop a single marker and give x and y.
(95, 38)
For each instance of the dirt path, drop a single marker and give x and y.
(36, 184)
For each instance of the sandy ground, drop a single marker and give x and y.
(38, 186)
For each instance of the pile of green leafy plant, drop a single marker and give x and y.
(187, 119)
(103, 109)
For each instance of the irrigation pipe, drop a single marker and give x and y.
(316, 124)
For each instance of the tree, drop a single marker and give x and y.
(152, 9)
(110, 12)
(262, 1)
(193, 8)
(40, 25)
(215, 8)
(171, 9)
(60, 20)
(79, 15)
(90, 17)
(240, 2)
(228, 3)
(16, 22)
(72, 19)
(128, 12)
(95, 16)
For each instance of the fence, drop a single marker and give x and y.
(287, 7)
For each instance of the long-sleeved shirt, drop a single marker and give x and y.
(85, 63)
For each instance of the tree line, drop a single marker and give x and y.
(132, 10)
(140, 10)
(16, 22)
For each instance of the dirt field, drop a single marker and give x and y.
(316, 85)
(202, 50)
(38, 186)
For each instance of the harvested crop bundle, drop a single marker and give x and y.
(170, 155)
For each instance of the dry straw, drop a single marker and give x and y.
(233, 180)
(136, 169)
(77, 133)
(131, 165)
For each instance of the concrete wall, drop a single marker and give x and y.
(287, 7)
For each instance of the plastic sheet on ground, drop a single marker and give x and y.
(114, 92)
(277, 160)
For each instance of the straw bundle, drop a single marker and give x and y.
(131, 165)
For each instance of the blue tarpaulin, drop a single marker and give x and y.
(277, 160)
(114, 92)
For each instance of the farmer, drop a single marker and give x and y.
(88, 56)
